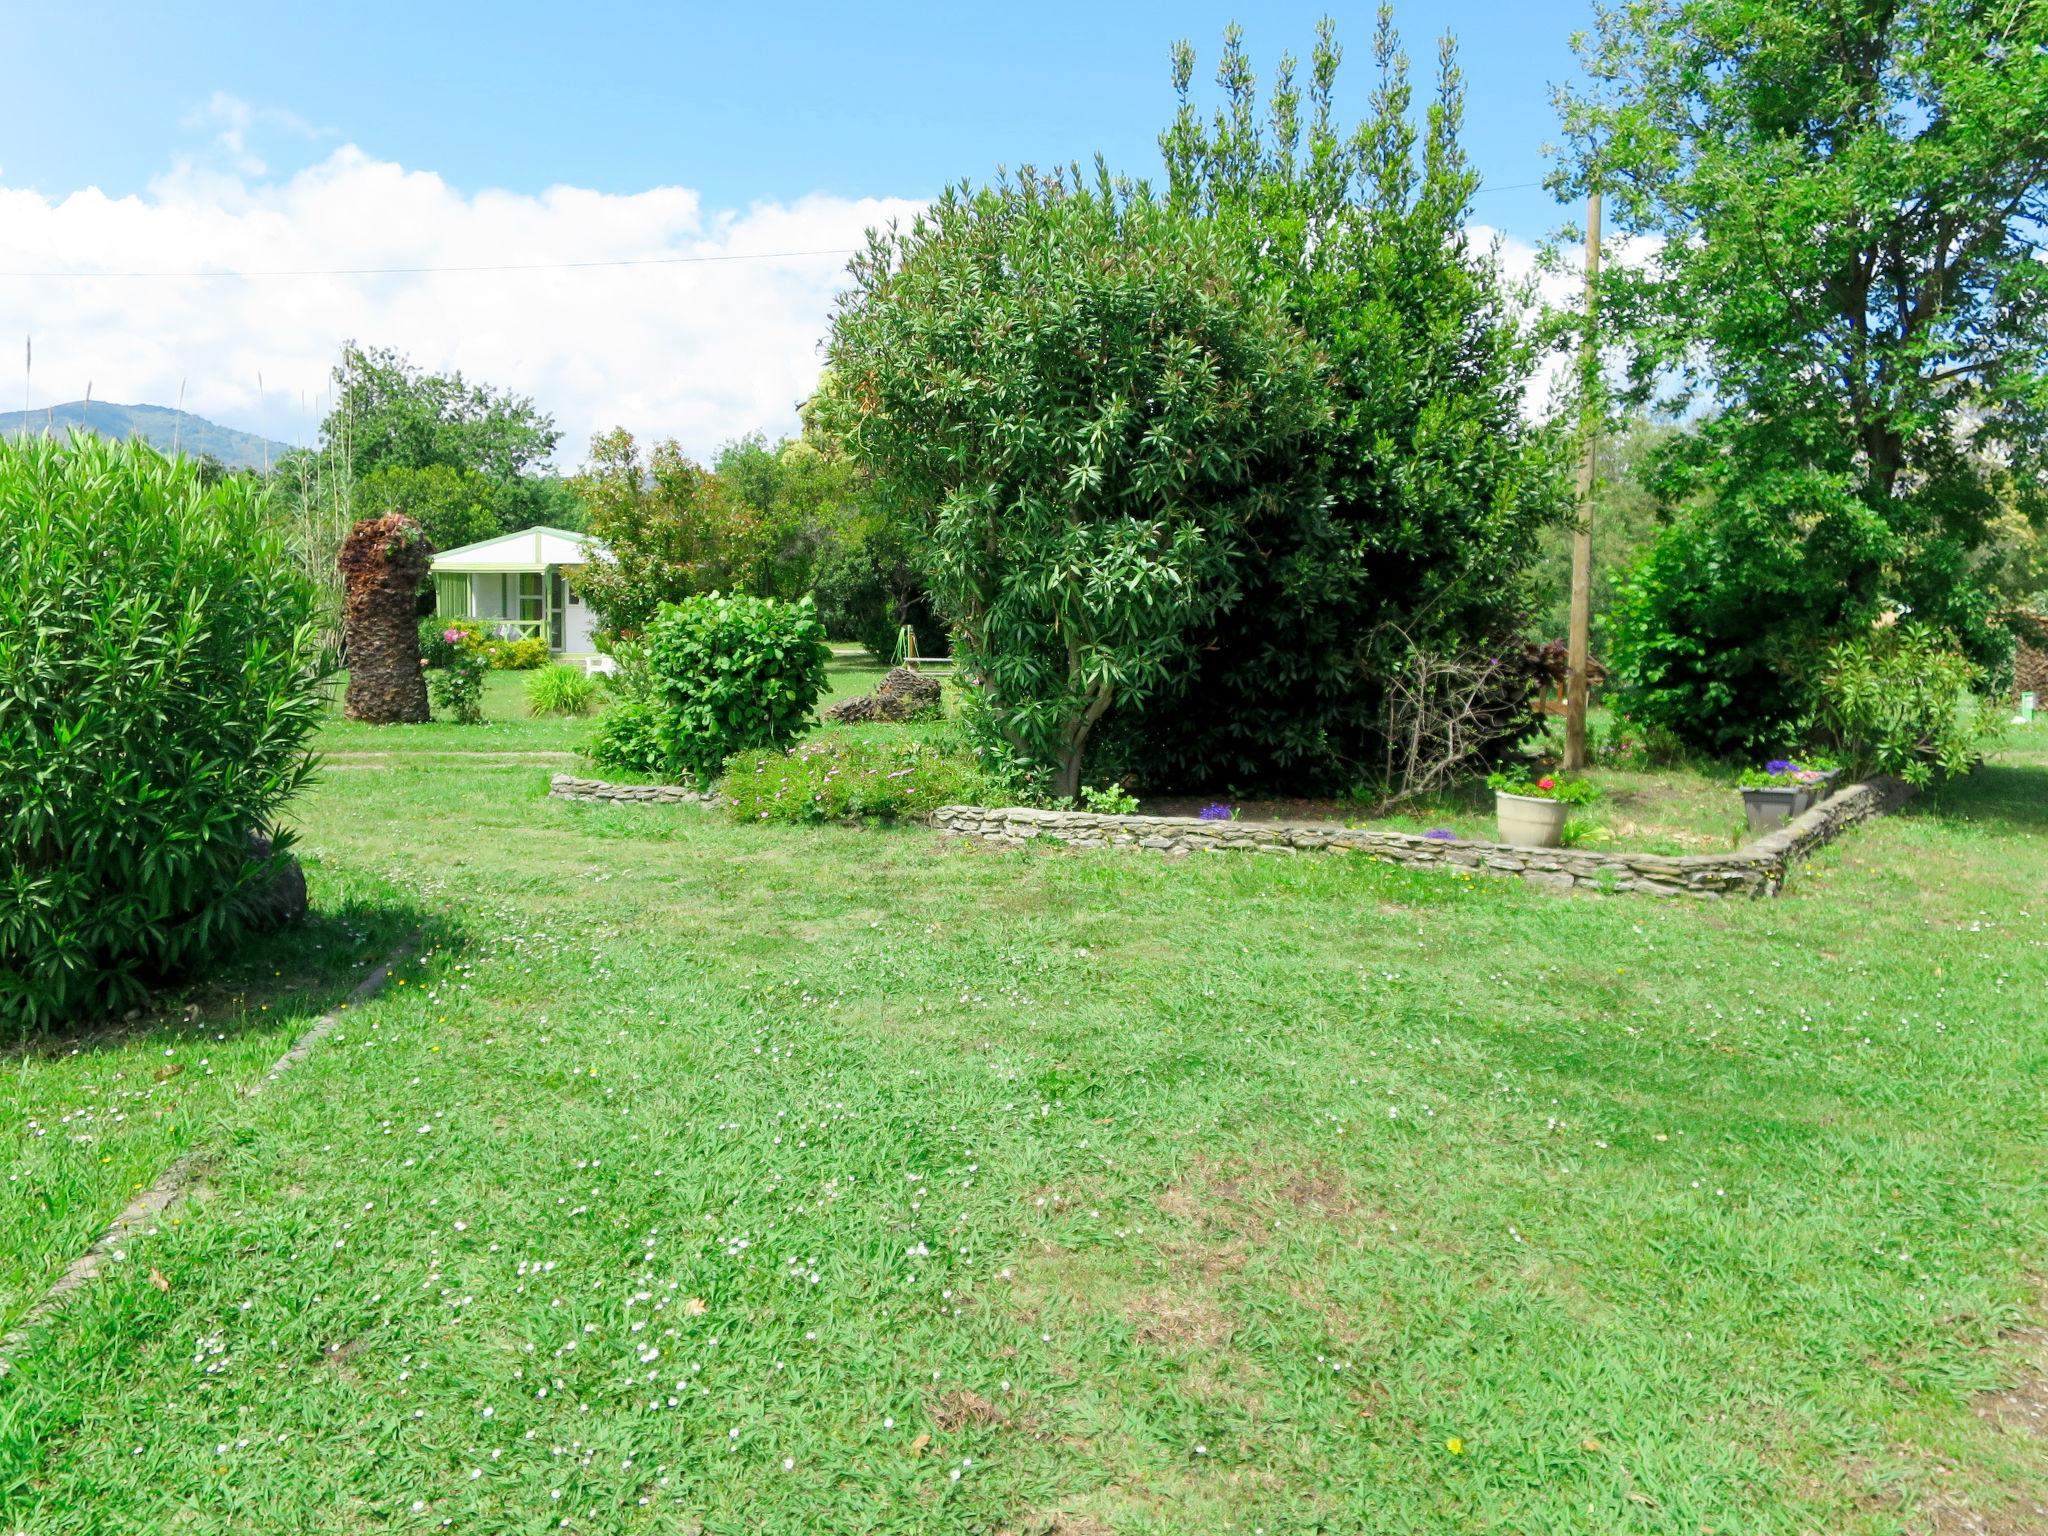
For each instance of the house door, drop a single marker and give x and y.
(580, 624)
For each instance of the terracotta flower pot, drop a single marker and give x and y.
(1529, 821)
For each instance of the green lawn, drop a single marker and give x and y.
(733, 1179)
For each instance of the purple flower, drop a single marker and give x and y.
(1440, 835)
(1216, 812)
(1778, 765)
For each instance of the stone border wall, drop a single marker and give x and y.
(1755, 869)
(566, 787)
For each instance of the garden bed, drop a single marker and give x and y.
(1756, 869)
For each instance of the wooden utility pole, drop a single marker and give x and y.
(1579, 655)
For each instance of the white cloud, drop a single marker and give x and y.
(702, 352)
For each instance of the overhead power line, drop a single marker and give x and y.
(507, 266)
(502, 266)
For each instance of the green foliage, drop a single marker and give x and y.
(159, 664)
(1625, 527)
(1108, 800)
(673, 528)
(455, 506)
(1899, 699)
(711, 676)
(1838, 216)
(500, 655)
(869, 586)
(1543, 786)
(522, 655)
(390, 416)
(1092, 395)
(458, 656)
(1715, 628)
(561, 690)
(841, 778)
(1435, 489)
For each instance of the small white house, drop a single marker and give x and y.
(520, 583)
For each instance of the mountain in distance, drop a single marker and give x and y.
(158, 425)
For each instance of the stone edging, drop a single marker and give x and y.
(1756, 869)
(175, 1181)
(567, 787)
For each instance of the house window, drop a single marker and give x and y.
(532, 598)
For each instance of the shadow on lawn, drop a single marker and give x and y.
(2011, 794)
(299, 972)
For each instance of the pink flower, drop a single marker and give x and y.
(1546, 783)
(452, 636)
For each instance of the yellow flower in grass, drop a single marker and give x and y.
(1455, 1446)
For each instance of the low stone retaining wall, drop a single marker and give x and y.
(564, 787)
(1756, 869)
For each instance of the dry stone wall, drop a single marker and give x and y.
(1756, 869)
(565, 787)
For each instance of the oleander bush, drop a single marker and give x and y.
(1902, 699)
(159, 681)
(711, 676)
(840, 778)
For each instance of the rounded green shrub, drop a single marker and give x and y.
(159, 682)
(711, 676)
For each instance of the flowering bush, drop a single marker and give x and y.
(501, 655)
(847, 780)
(1218, 812)
(459, 660)
(1783, 773)
(1544, 787)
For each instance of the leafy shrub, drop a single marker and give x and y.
(848, 779)
(1899, 700)
(457, 682)
(161, 672)
(1109, 800)
(517, 655)
(1094, 394)
(499, 655)
(560, 690)
(711, 676)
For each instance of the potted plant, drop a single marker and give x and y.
(1818, 774)
(1773, 794)
(1529, 809)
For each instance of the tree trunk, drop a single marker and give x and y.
(383, 562)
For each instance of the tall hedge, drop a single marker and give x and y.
(158, 685)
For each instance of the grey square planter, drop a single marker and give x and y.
(1771, 807)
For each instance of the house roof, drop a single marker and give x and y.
(530, 549)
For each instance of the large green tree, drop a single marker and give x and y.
(1095, 398)
(1835, 212)
(391, 420)
(1435, 486)
(672, 529)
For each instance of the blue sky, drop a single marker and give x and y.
(195, 119)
